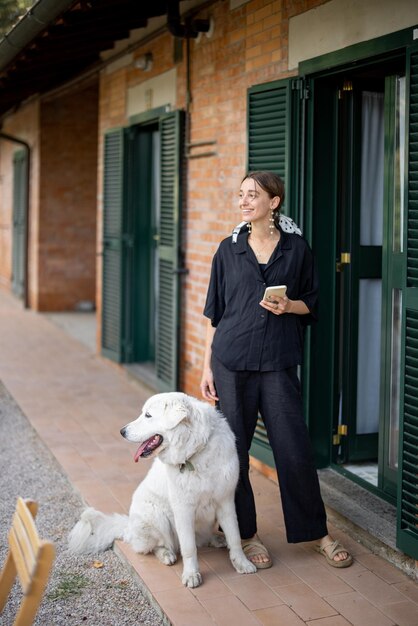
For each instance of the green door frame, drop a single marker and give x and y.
(365, 263)
(401, 43)
(317, 205)
(119, 254)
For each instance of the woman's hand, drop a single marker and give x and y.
(207, 386)
(278, 306)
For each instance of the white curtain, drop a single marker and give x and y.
(372, 159)
(370, 290)
(368, 367)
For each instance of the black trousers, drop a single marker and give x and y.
(277, 397)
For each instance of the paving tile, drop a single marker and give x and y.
(213, 586)
(183, 608)
(78, 402)
(321, 579)
(305, 602)
(386, 571)
(219, 561)
(358, 611)
(228, 612)
(336, 620)
(373, 588)
(96, 494)
(278, 576)
(409, 589)
(278, 616)
(156, 576)
(403, 613)
(122, 492)
(253, 592)
(72, 462)
(292, 554)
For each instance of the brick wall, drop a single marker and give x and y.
(112, 114)
(68, 199)
(248, 46)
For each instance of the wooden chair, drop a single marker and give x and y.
(30, 559)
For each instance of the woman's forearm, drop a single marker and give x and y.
(210, 331)
(207, 385)
(298, 307)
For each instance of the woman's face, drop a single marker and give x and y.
(255, 203)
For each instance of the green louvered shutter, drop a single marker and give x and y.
(407, 537)
(268, 118)
(268, 111)
(20, 177)
(276, 113)
(112, 323)
(169, 269)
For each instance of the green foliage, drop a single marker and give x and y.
(10, 13)
(69, 585)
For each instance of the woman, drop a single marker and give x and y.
(253, 348)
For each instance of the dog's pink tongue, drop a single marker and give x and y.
(140, 450)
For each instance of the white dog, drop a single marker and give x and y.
(189, 489)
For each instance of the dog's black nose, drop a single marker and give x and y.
(123, 431)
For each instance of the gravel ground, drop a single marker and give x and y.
(94, 590)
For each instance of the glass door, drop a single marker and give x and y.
(370, 139)
(359, 267)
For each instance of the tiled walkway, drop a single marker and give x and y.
(78, 402)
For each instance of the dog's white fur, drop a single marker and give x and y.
(188, 490)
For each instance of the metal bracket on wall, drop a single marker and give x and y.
(190, 147)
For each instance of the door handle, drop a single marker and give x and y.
(345, 259)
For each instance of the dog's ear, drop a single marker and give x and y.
(175, 412)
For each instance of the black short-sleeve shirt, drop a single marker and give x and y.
(247, 336)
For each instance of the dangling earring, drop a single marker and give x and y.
(272, 223)
(249, 227)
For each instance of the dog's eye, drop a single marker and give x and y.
(148, 414)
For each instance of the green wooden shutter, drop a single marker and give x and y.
(268, 119)
(276, 114)
(268, 112)
(113, 189)
(20, 176)
(169, 270)
(407, 537)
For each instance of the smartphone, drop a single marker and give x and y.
(278, 291)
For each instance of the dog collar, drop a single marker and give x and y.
(186, 466)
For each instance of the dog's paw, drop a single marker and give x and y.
(192, 580)
(165, 555)
(217, 541)
(243, 565)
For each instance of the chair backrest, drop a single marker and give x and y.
(30, 559)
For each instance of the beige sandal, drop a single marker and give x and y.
(336, 548)
(253, 547)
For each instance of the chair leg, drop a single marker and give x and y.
(32, 600)
(7, 578)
